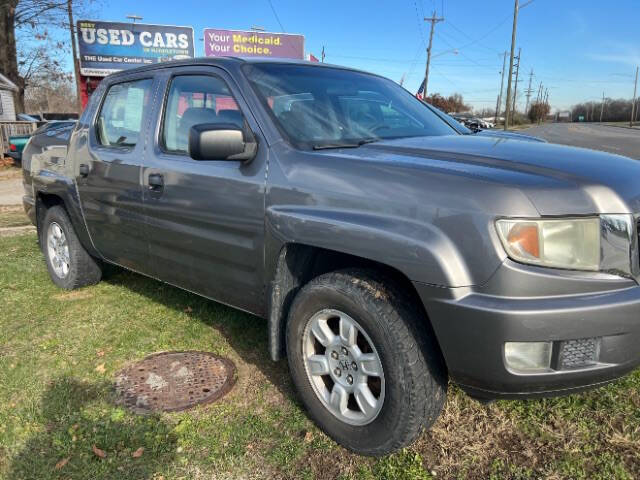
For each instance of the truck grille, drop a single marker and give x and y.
(579, 353)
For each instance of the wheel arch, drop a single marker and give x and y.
(298, 263)
(51, 190)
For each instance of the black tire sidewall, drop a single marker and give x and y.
(58, 215)
(374, 436)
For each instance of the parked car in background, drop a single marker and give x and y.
(48, 143)
(463, 130)
(17, 143)
(388, 252)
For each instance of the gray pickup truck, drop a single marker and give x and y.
(388, 252)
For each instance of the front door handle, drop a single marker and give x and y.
(83, 169)
(156, 182)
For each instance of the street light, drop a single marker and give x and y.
(134, 17)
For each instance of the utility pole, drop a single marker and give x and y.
(499, 105)
(516, 8)
(515, 89)
(633, 104)
(602, 107)
(538, 103)
(529, 92)
(322, 55)
(433, 21)
(513, 47)
(76, 65)
(546, 103)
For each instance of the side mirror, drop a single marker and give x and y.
(220, 141)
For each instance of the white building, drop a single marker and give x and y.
(7, 107)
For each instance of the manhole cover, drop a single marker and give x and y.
(172, 381)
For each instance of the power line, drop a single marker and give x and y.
(419, 22)
(482, 37)
(275, 14)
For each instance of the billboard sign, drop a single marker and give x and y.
(107, 47)
(239, 43)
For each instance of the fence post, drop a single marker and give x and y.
(1, 140)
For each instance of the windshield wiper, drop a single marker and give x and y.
(357, 144)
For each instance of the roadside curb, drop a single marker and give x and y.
(619, 126)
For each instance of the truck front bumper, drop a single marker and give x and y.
(472, 328)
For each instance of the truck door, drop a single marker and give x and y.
(205, 218)
(109, 181)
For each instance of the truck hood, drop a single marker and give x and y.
(559, 180)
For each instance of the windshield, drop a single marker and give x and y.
(319, 107)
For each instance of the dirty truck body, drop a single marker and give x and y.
(388, 252)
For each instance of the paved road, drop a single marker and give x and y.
(623, 141)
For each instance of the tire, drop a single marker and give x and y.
(81, 269)
(410, 392)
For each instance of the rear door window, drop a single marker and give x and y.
(120, 121)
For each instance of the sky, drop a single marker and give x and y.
(579, 49)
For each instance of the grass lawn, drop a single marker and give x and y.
(59, 352)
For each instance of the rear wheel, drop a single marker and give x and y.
(70, 265)
(364, 367)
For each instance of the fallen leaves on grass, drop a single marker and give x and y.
(100, 368)
(62, 463)
(138, 453)
(100, 353)
(98, 452)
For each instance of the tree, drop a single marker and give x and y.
(452, 103)
(29, 49)
(538, 111)
(615, 110)
(51, 95)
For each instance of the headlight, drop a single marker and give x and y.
(560, 243)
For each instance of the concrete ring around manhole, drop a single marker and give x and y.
(174, 381)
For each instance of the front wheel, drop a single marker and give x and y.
(364, 366)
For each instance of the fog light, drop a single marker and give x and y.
(528, 357)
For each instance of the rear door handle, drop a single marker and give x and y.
(156, 182)
(83, 169)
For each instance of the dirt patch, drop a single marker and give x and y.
(73, 295)
(13, 231)
(8, 170)
(13, 216)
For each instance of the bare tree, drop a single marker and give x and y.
(51, 95)
(452, 103)
(538, 111)
(28, 34)
(615, 110)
